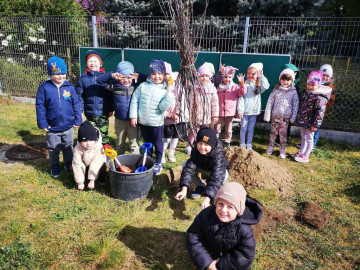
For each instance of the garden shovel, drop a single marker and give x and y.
(145, 147)
(111, 153)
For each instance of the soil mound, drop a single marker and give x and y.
(29, 151)
(249, 168)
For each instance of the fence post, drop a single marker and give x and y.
(68, 53)
(94, 31)
(246, 34)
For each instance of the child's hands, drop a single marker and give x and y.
(214, 119)
(181, 194)
(313, 129)
(133, 122)
(240, 78)
(135, 76)
(212, 266)
(46, 129)
(116, 75)
(261, 73)
(205, 203)
(111, 114)
(240, 115)
(222, 68)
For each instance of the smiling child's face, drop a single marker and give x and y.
(157, 77)
(252, 74)
(126, 80)
(228, 78)
(312, 87)
(225, 211)
(203, 147)
(59, 78)
(204, 79)
(93, 63)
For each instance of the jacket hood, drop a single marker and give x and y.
(286, 89)
(322, 90)
(253, 212)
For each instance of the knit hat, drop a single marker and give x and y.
(125, 68)
(288, 71)
(211, 67)
(168, 68)
(207, 135)
(56, 66)
(205, 70)
(257, 66)
(91, 54)
(315, 77)
(230, 70)
(87, 132)
(233, 193)
(327, 70)
(157, 66)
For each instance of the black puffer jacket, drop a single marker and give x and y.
(233, 243)
(215, 161)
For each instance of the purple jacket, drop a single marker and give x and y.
(312, 107)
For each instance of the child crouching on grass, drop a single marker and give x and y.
(221, 236)
(58, 112)
(208, 159)
(89, 153)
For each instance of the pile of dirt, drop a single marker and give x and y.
(249, 168)
(29, 151)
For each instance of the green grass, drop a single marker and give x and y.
(47, 224)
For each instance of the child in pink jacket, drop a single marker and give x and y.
(228, 93)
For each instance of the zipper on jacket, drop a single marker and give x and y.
(61, 116)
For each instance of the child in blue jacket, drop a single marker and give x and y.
(96, 103)
(149, 104)
(122, 85)
(58, 112)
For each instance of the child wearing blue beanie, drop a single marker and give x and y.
(122, 85)
(95, 101)
(148, 107)
(58, 112)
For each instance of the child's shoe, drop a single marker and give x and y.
(302, 159)
(282, 153)
(68, 168)
(199, 190)
(226, 144)
(171, 157)
(243, 145)
(270, 150)
(298, 146)
(249, 147)
(81, 186)
(91, 184)
(163, 159)
(55, 171)
(296, 155)
(188, 150)
(158, 168)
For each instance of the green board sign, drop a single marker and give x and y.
(273, 64)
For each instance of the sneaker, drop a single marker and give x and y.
(68, 168)
(298, 146)
(199, 190)
(296, 155)
(81, 186)
(171, 157)
(282, 153)
(302, 159)
(249, 147)
(226, 144)
(270, 150)
(243, 145)
(91, 184)
(55, 171)
(188, 150)
(158, 168)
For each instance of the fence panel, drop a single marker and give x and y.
(26, 42)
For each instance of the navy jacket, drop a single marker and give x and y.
(57, 108)
(215, 161)
(121, 94)
(209, 239)
(94, 99)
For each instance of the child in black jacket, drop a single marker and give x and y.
(208, 159)
(221, 236)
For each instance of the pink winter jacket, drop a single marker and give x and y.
(94, 158)
(282, 103)
(228, 96)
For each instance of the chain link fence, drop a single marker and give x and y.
(27, 42)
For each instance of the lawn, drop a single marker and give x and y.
(47, 224)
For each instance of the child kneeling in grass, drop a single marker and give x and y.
(208, 159)
(221, 236)
(89, 153)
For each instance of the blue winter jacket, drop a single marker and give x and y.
(57, 108)
(233, 243)
(94, 99)
(121, 94)
(150, 102)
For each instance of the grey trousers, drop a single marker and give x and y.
(60, 141)
(123, 129)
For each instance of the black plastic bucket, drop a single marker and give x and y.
(132, 186)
